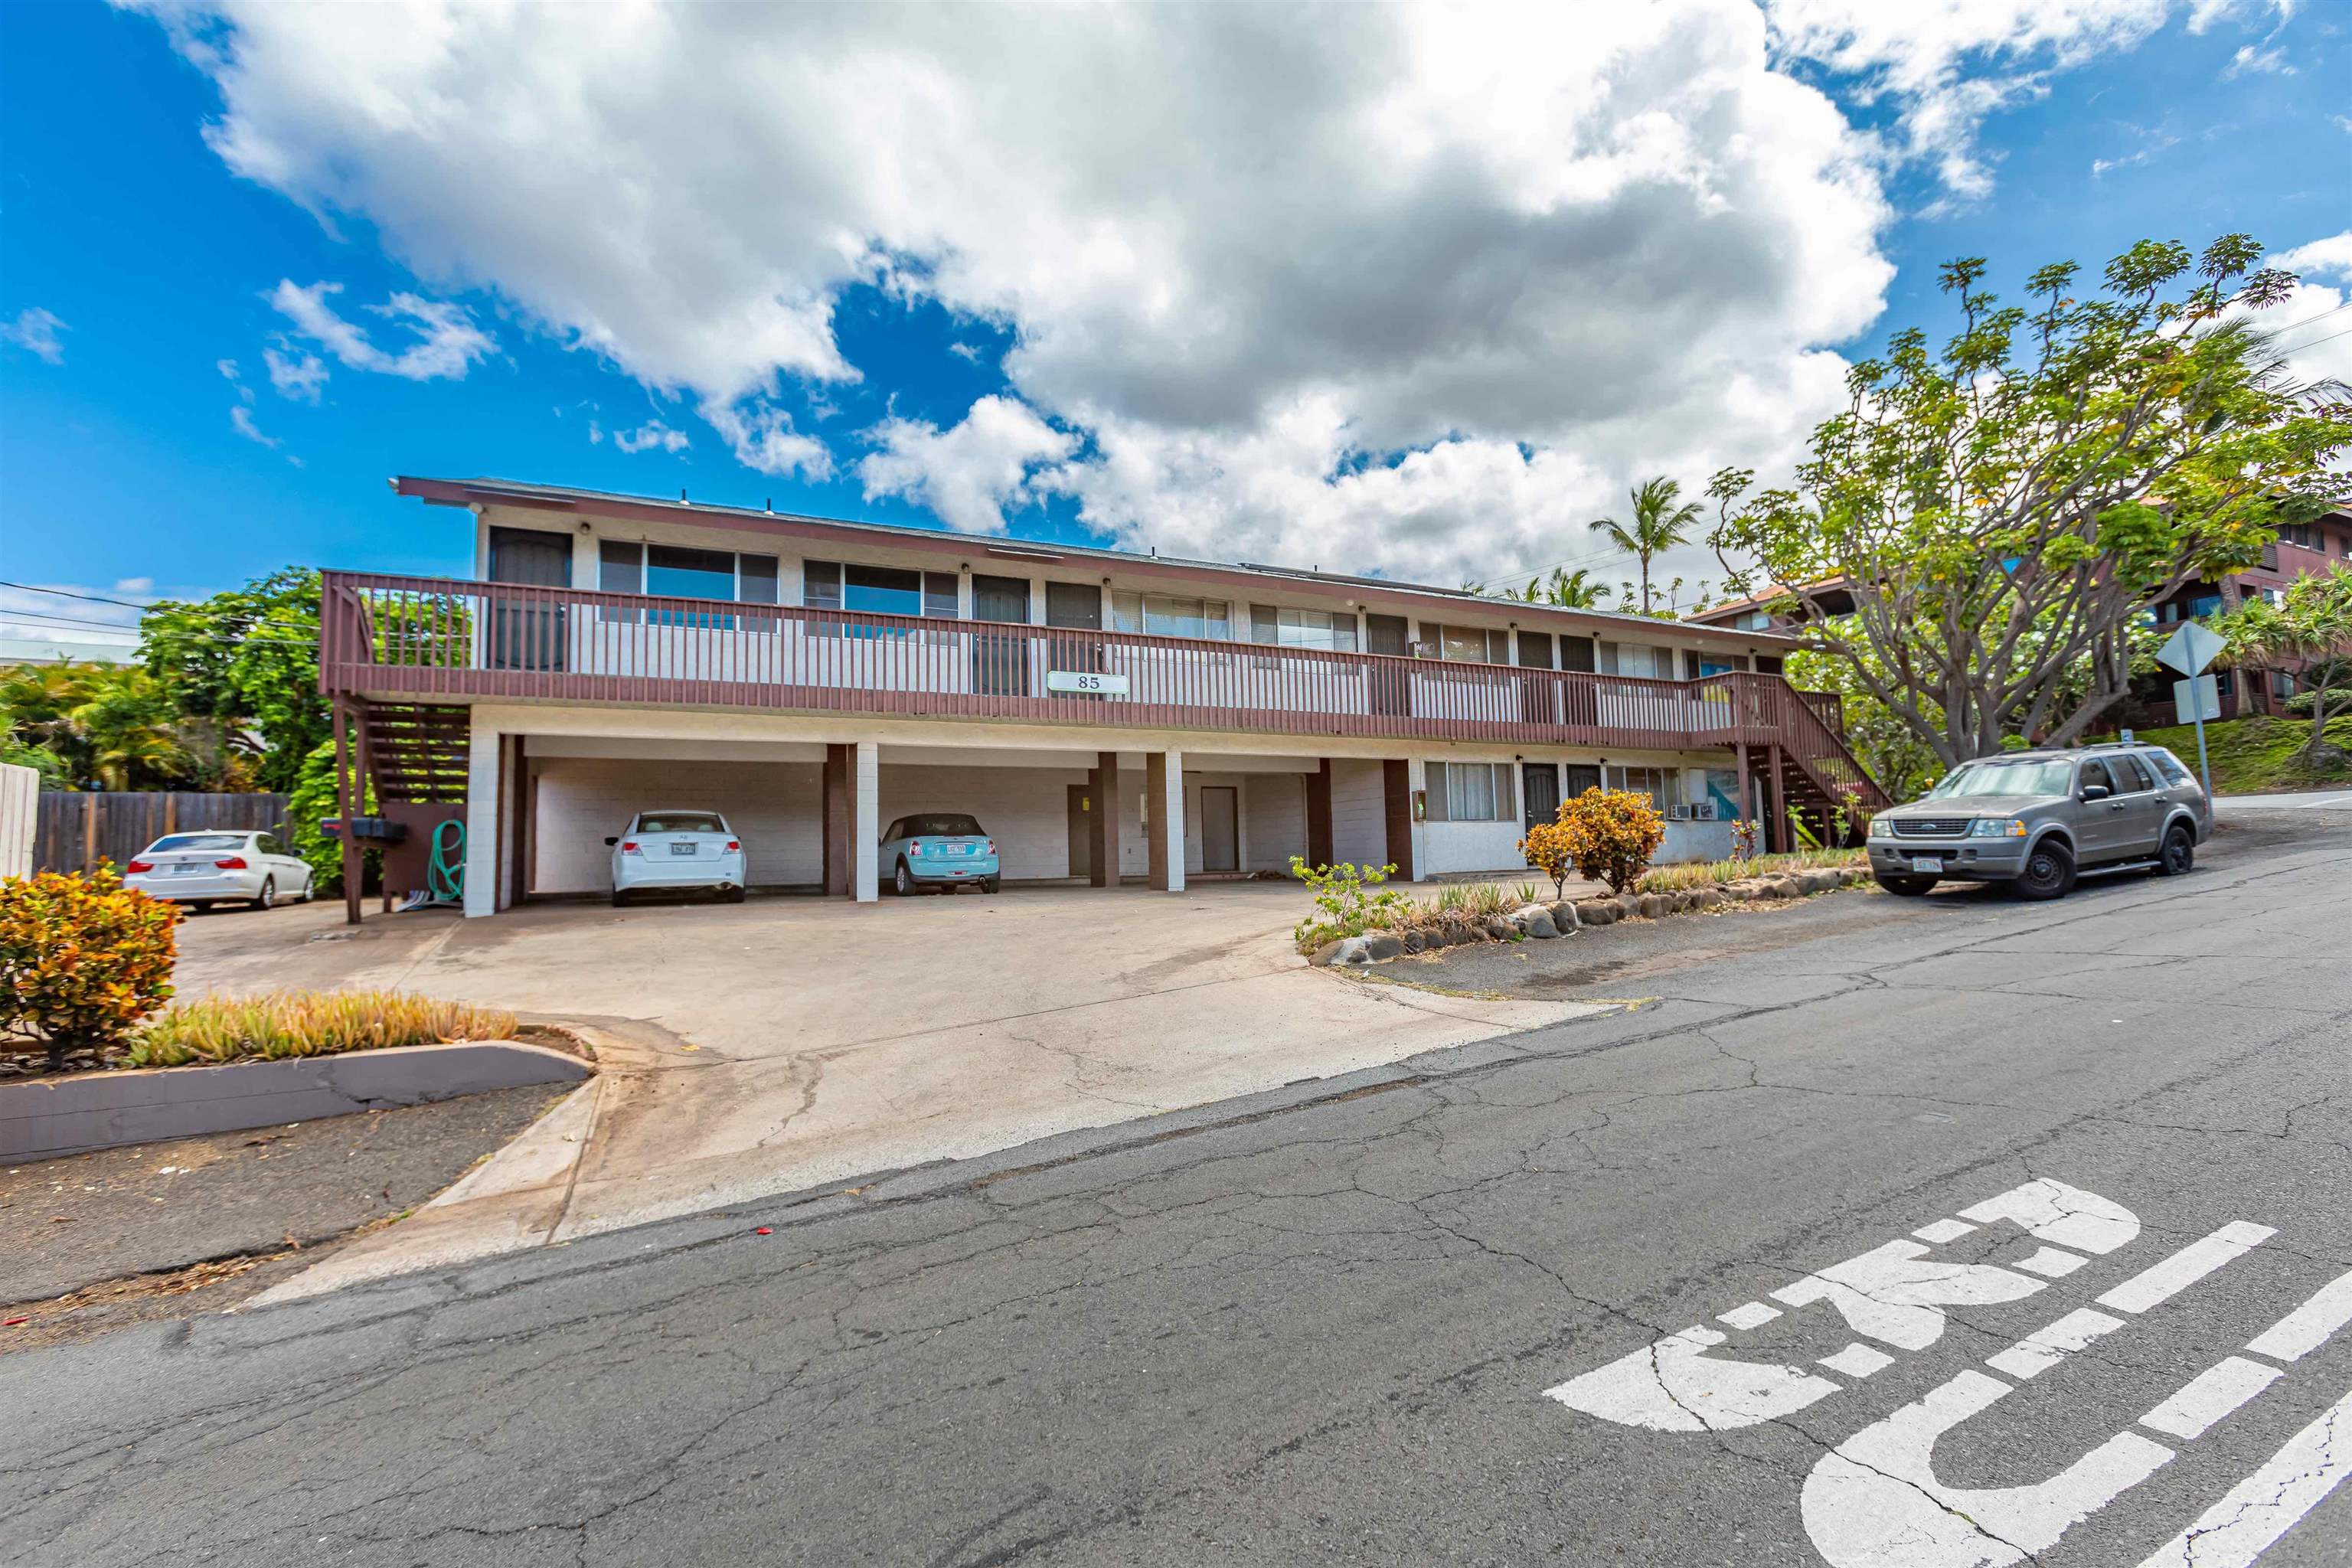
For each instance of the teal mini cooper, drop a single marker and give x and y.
(940, 849)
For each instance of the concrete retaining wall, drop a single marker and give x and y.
(42, 1121)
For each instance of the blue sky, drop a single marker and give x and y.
(129, 454)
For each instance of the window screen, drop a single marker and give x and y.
(1470, 644)
(1662, 786)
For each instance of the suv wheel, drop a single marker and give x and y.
(2048, 871)
(902, 881)
(1906, 886)
(2178, 854)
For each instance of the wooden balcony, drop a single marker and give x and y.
(424, 640)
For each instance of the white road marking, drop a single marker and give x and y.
(2048, 1346)
(1944, 1231)
(1748, 1315)
(2051, 1264)
(2268, 1503)
(1671, 1387)
(2068, 1216)
(2309, 1326)
(1858, 1361)
(2162, 1281)
(2211, 1394)
(1891, 1292)
(1875, 1500)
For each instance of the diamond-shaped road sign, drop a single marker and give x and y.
(2191, 649)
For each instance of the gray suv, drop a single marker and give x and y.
(2033, 819)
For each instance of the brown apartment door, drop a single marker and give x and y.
(1075, 606)
(1082, 838)
(1539, 694)
(1539, 792)
(999, 660)
(1391, 684)
(526, 632)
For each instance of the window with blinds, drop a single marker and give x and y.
(1471, 792)
(1662, 786)
(1281, 626)
(1473, 645)
(1171, 615)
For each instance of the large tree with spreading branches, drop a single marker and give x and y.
(2000, 509)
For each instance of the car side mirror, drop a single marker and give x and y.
(2095, 791)
(610, 842)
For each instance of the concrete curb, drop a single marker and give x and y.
(47, 1121)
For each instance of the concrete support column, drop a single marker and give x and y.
(839, 859)
(485, 751)
(865, 829)
(1396, 789)
(347, 796)
(1163, 794)
(1319, 851)
(1102, 822)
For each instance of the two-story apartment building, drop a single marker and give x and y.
(1107, 715)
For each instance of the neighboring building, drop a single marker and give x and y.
(815, 679)
(2301, 548)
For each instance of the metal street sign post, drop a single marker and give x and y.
(2189, 650)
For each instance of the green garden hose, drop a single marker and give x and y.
(445, 875)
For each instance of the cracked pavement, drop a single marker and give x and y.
(1314, 1326)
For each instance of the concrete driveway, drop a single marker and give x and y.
(787, 1044)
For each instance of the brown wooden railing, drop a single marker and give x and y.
(416, 639)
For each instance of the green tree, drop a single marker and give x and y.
(1999, 510)
(131, 733)
(2312, 625)
(1565, 589)
(247, 663)
(1662, 520)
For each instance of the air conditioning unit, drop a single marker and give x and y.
(1678, 814)
(1703, 811)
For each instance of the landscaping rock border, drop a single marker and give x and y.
(1542, 922)
(45, 1119)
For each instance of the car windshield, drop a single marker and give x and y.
(944, 824)
(2040, 777)
(680, 821)
(173, 841)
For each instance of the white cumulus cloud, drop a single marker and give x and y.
(651, 436)
(1420, 292)
(970, 473)
(36, 331)
(299, 375)
(446, 341)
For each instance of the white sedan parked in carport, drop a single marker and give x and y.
(668, 850)
(206, 868)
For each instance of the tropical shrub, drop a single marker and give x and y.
(1349, 902)
(1612, 834)
(1550, 849)
(82, 958)
(280, 1024)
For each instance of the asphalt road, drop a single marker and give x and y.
(1321, 1329)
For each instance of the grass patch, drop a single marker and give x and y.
(1707, 873)
(2257, 755)
(281, 1023)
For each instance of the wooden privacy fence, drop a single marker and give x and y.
(76, 830)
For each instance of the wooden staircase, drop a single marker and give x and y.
(414, 754)
(1817, 775)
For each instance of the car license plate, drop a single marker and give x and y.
(960, 848)
(189, 868)
(681, 849)
(1926, 863)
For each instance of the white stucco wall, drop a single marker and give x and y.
(1274, 821)
(776, 808)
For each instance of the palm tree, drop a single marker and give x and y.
(1571, 590)
(1660, 518)
(129, 732)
